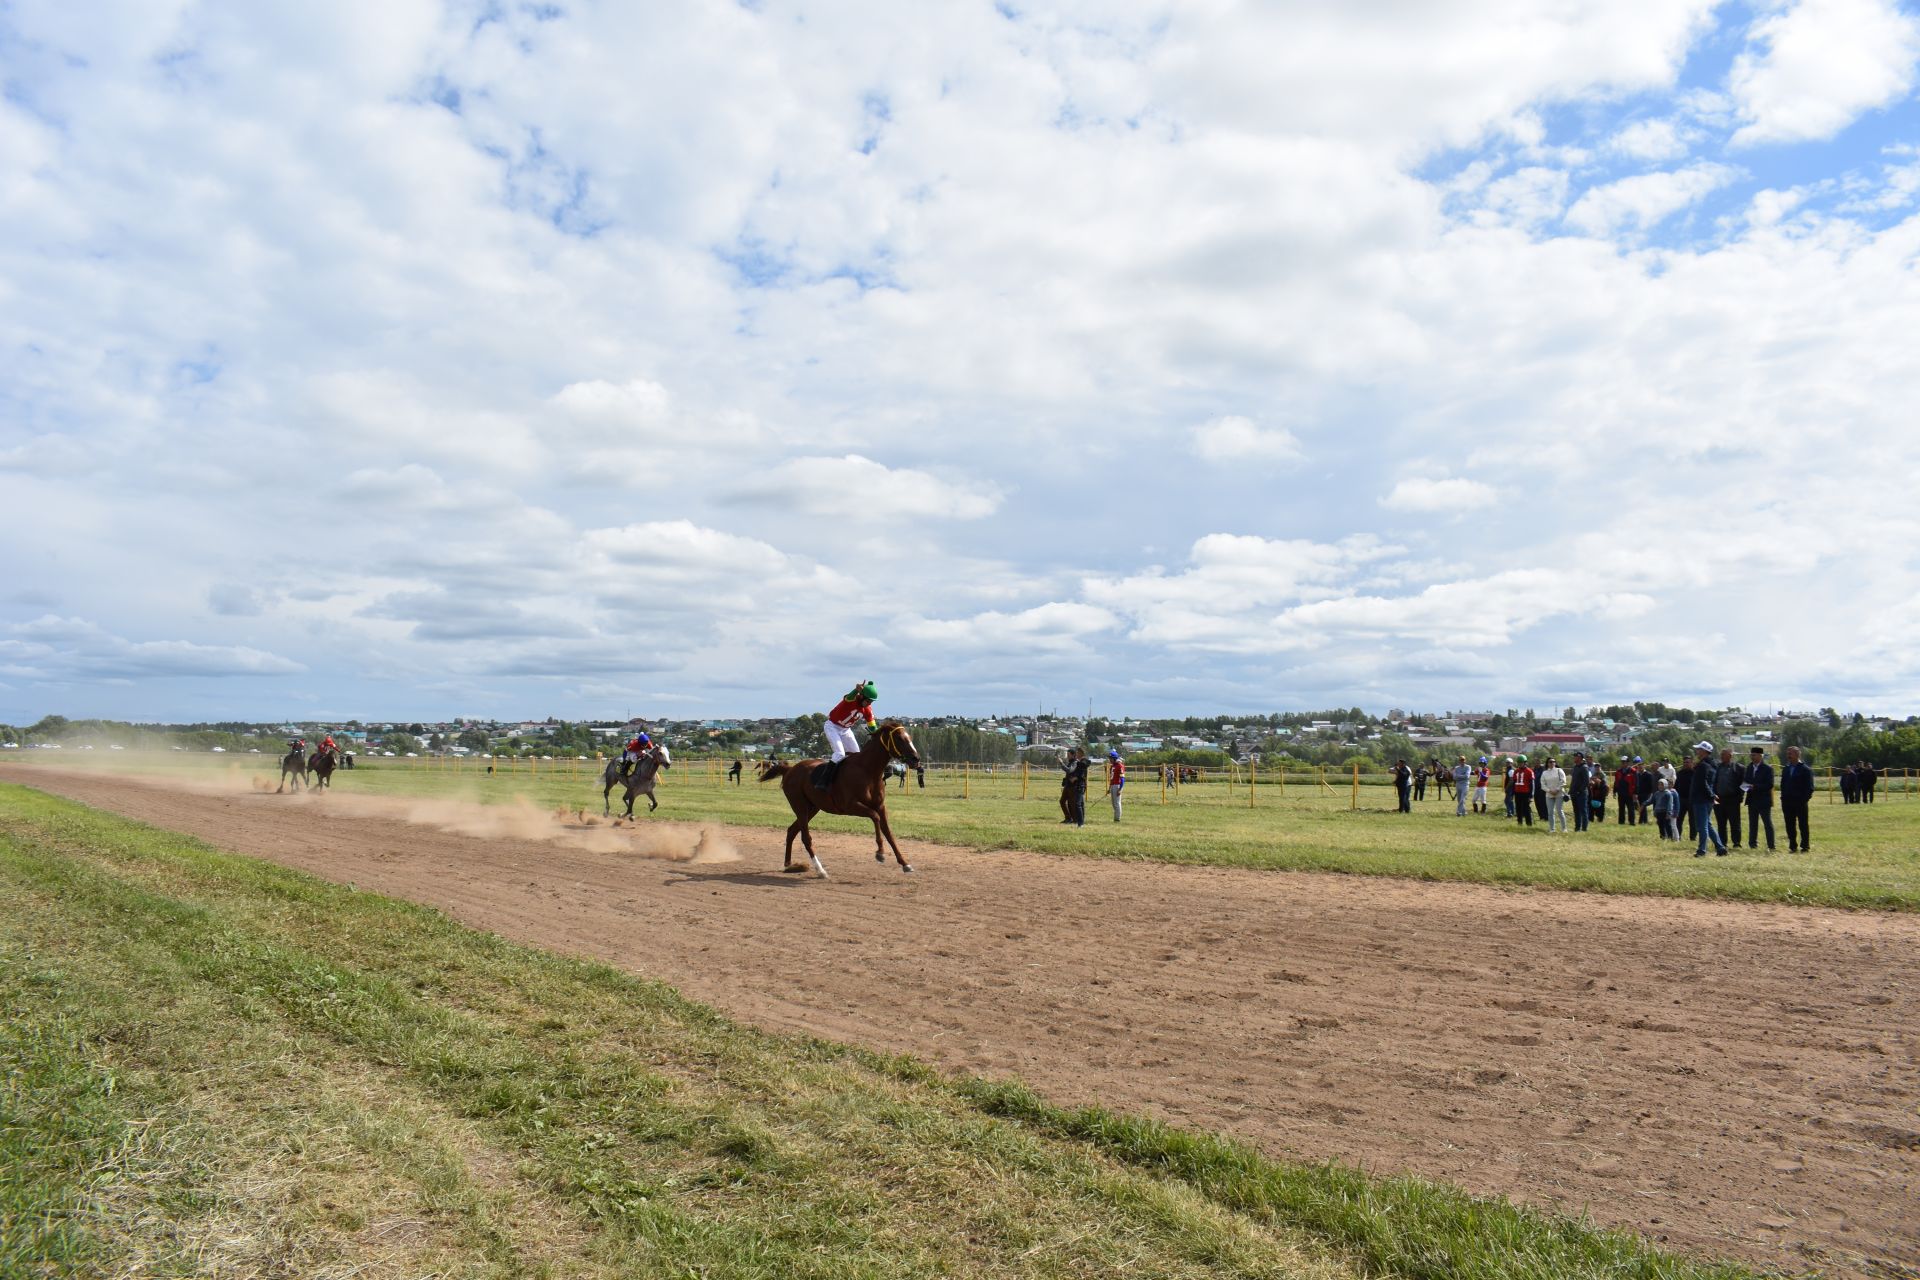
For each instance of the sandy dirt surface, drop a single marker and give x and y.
(1730, 1079)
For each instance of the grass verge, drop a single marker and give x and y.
(217, 1066)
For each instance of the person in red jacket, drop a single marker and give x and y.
(1523, 792)
(1116, 780)
(851, 711)
(631, 754)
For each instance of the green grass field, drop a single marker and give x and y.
(216, 1066)
(1865, 855)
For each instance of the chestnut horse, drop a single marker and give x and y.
(858, 790)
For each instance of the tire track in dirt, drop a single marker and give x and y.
(1726, 1078)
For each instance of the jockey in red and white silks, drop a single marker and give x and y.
(852, 710)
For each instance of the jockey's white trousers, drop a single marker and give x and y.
(841, 740)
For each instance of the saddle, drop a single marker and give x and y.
(822, 777)
(626, 768)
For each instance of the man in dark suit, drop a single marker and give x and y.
(1849, 786)
(1403, 785)
(1645, 783)
(1869, 779)
(1623, 799)
(1759, 792)
(1581, 781)
(1727, 777)
(1796, 793)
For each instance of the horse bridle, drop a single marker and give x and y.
(889, 735)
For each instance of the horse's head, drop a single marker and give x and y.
(895, 741)
(661, 755)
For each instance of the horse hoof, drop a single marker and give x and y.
(879, 855)
(906, 869)
(793, 871)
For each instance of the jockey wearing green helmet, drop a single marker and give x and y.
(851, 710)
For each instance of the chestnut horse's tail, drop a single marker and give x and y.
(771, 769)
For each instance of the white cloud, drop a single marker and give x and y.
(1237, 439)
(56, 648)
(1815, 66)
(1448, 495)
(859, 489)
(1654, 140)
(1641, 202)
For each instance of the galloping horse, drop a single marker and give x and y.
(646, 770)
(858, 790)
(321, 766)
(294, 763)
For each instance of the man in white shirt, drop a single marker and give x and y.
(1553, 785)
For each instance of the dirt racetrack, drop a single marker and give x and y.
(1729, 1079)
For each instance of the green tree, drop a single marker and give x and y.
(808, 735)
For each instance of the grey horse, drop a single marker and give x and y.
(646, 770)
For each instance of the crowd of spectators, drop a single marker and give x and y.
(1710, 799)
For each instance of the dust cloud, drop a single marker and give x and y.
(467, 815)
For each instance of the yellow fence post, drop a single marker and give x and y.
(1354, 804)
(1023, 779)
(1253, 767)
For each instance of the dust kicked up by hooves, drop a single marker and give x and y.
(516, 819)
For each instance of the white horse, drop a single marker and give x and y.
(646, 770)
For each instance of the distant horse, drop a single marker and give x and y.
(646, 770)
(321, 767)
(858, 790)
(293, 763)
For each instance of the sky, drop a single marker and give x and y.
(419, 360)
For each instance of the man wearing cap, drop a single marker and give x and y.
(1116, 780)
(1796, 792)
(1700, 799)
(1727, 777)
(1758, 789)
(1462, 775)
(1481, 777)
(1523, 792)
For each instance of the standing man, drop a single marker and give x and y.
(1420, 783)
(1481, 777)
(1076, 786)
(1726, 795)
(1553, 789)
(1623, 793)
(1523, 792)
(1645, 783)
(1582, 783)
(1758, 790)
(1796, 792)
(1701, 800)
(733, 772)
(1462, 775)
(1066, 786)
(1512, 769)
(1869, 779)
(1116, 780)
(1403, 785)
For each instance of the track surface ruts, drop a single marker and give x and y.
(1730, 1079)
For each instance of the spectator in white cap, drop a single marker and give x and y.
(1700, 800)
